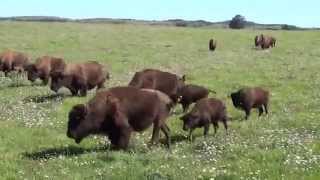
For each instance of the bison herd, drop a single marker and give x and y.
(146, 101)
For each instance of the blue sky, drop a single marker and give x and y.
(304, 13)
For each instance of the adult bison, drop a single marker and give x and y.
(212, 44)
(13, 61)
(267, 41)
(118, 112)
(79, 77)
(43, 67)
(165, 82)
(248, 98)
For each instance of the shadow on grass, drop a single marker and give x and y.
(178, 138)
(41, 99)
(69, 151)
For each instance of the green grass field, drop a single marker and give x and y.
(283, 145)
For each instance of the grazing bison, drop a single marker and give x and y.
(267, 41)
(212, 44)
(43, 67)
(13, 61)
(189, 94)
(79, 77)
(248, 98)
(118, 112)
(205, 111)
(165, 82)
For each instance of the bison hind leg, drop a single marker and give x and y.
(165, 129)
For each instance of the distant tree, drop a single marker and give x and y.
(237, 22)
(289, 27)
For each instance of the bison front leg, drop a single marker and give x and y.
(45, 81)
(190, 138)
(247, 111)
(124, 139)
(206, 130)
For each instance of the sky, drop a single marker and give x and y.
(304, 13)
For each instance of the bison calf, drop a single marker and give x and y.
(43, 67)
(205, 111)
(248, 98)
(79, 77)
(118, 112)
(192, 93)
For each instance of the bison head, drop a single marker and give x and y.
(235, 97)
(32, 72)
(58, 80)
(94, 118)
(77, 129)
(190, 121)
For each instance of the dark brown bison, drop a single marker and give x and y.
(13, 61)
(248, 98)
(165, 82)
(212, 45)
(189, 94)
(43, 67)
(79, 77)
(267, 41)
(118, 112)
(205, 111)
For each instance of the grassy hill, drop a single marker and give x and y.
(170, 22)
(283, 145)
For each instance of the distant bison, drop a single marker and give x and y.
(189, 94)
(212, 44)
(165, 82)
(118, 112)
(267, 41)
(79, 77)
(248, 98)
(43, 67)
(205, 111)
(13, 61)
